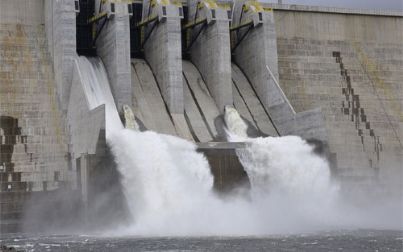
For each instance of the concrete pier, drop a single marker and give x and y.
(162, 50)
(60, 25)
(209, 46)
(113, 47)
(256, 54)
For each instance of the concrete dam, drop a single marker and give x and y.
(71, 67)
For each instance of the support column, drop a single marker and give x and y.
(209, 47)
(163, 50)
(60, 24)
(113, 46)
(255, 51)
(83, 170)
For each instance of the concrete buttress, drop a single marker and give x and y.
(113, 47)
(209, 46)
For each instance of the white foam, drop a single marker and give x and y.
(169, 187)
(97, 90)
(234, 123)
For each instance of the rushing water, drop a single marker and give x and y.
(168, 185)
(168, 188)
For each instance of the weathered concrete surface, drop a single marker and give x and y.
(113, 46)
(202, 98)
(333, 10)
(27, 12)
(60, 25)
(254, 54)
(211, 52)
(103, 205)
(85, 124)
(148, 104)
(249, 105)
(370, 47)
(34, 146)
(163, 52)
(196, 119)
(200, 122)
(229, 174)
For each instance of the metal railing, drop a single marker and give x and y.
(281, 90)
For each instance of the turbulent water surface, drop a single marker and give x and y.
(362, 240)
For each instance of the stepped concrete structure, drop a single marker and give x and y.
(34, 147)
(332, 76)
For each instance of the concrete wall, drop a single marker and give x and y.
(339, 26)
(370, 66)
(113, 47)
(211, 53)
(22, 12)
(34, 147)
(163, 51)
(258, 50)
(60, 27)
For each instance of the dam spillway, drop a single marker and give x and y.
(177, 66)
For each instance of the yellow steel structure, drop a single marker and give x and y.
(254, 6)
(211, 4)
(147, 20)
(159, 2)
(97, 17)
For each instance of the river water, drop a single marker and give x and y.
(359, 240)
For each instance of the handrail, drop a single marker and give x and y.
(281, 90)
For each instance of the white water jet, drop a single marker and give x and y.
(285, 171)
(234, 123)
(97, 89)
(169, 186)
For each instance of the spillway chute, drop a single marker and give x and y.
(97, 90)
